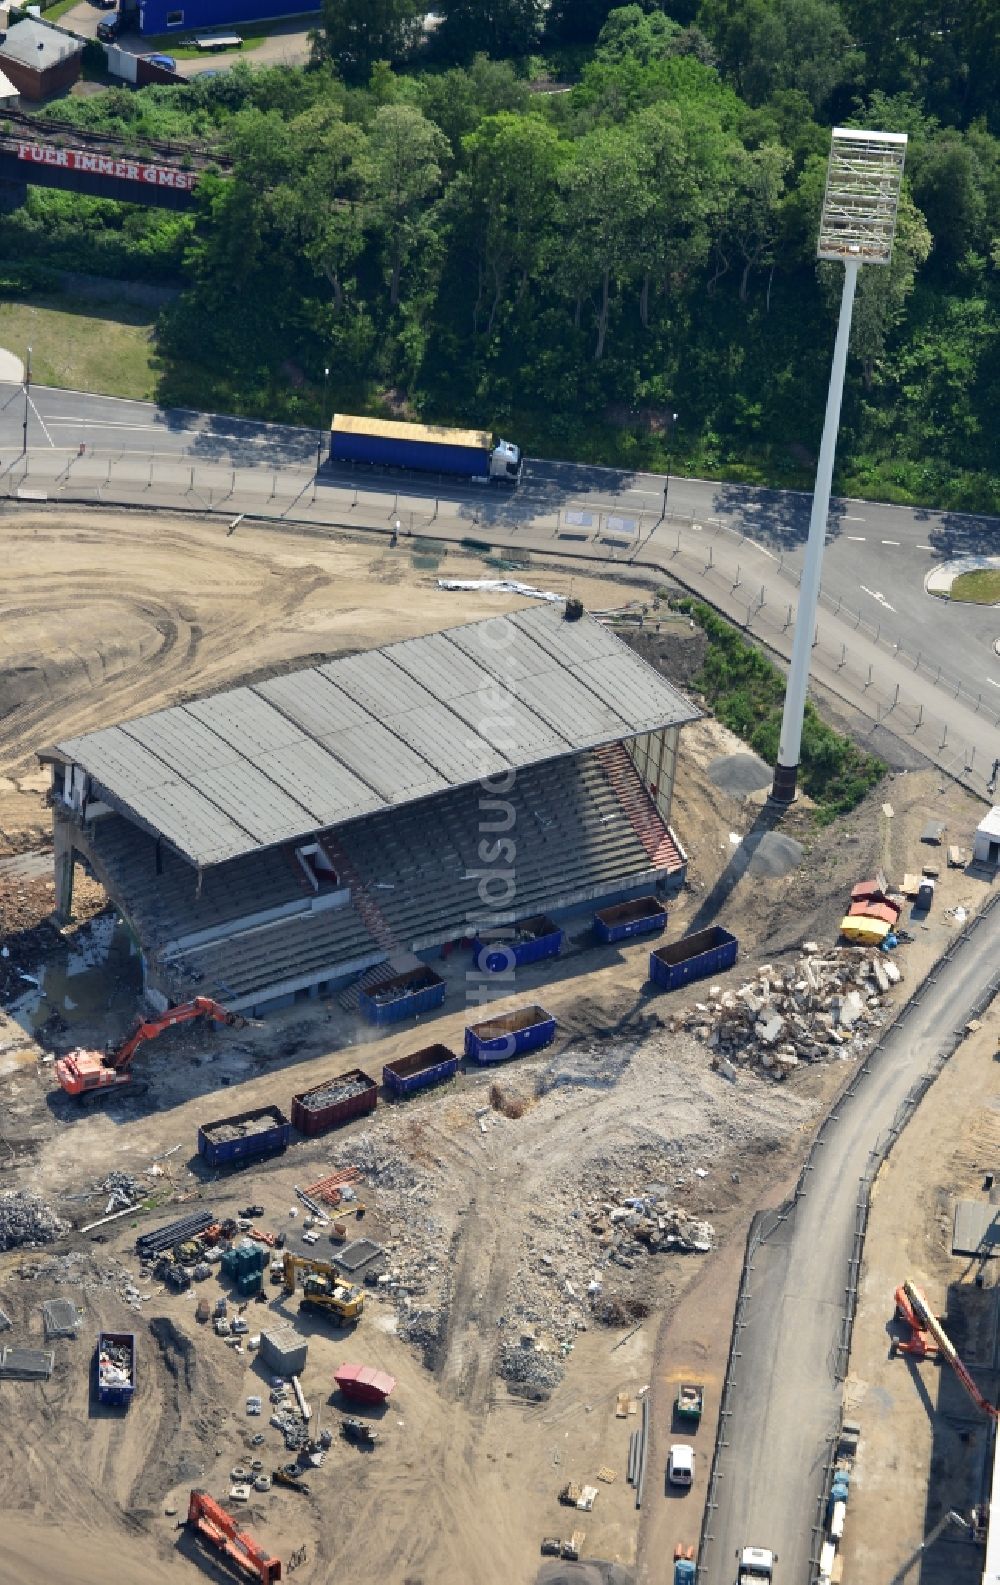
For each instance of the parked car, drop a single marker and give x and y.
(166, 61)
(109, 28)
(680, 1465)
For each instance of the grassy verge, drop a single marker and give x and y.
(182, 46)
(978, 588)
(746, 693)
(110, 349)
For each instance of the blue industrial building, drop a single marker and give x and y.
(188, 16)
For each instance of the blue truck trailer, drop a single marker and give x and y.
(231, 1140)
(510, 1035)
(116, 1368)
(423, 448)
(693, 957)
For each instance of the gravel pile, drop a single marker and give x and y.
(26, 1221)
(524, 1364)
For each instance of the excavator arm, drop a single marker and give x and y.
(148, 1028)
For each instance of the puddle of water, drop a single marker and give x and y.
(92, 978)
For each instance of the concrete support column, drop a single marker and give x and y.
(65, 861)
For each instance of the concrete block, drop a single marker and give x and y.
(770, 1030)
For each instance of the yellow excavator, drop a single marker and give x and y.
(323, 1288)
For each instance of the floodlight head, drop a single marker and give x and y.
(861, 201)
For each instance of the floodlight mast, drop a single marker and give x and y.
(857, 226)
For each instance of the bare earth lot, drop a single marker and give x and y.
(497, 1226)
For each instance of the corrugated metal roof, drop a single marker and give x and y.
(274, 761)
(431, 434)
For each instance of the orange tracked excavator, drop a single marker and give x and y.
(213, 1526)
(929, 1340)
(81, 1073)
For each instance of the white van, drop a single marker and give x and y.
(680, 1465)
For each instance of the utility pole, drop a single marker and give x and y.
(27, 401)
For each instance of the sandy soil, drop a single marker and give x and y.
(924, 1447)
(108, 615)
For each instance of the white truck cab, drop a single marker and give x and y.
(505, 462)
(756, 1565)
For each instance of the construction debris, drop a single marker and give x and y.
(26, 1221)
(343, 1088)
(787, 1015)
(123, 1191)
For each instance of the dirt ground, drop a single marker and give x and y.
(924, 1446)
(108, 615)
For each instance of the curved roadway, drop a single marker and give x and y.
(787, 1393)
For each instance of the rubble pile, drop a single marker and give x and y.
(122, 1190)
(26, 1221)
(415, 1271)
(803, 1013)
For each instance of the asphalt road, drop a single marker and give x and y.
(876, 559)
(787, 1396)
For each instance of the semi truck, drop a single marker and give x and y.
(424, 448)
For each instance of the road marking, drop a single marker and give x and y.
(100, 423)
(858, 539)
(993, 683)
(764, 552)
(890, 541)
(853, 519)
(925, 547)
(877, 594)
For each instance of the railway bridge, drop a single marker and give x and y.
(45, 153)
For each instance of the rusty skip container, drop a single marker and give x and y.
(336, 1100)
(262, 1132)
(419, 1070)
(510, 1035)
(644, 916)
(693, 957)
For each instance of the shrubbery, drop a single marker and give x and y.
(747, 693)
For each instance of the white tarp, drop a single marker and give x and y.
(500, 586)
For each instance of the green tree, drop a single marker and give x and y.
(753, 222)
(604, 201)
(502, 29)
(459, 99)
(512, 164)
(768, 45)
(357, 33)
(405, 156)
(686, 161)
(322, 206)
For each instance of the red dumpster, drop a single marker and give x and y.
(364, 1383)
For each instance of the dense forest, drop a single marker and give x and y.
(591, 228)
